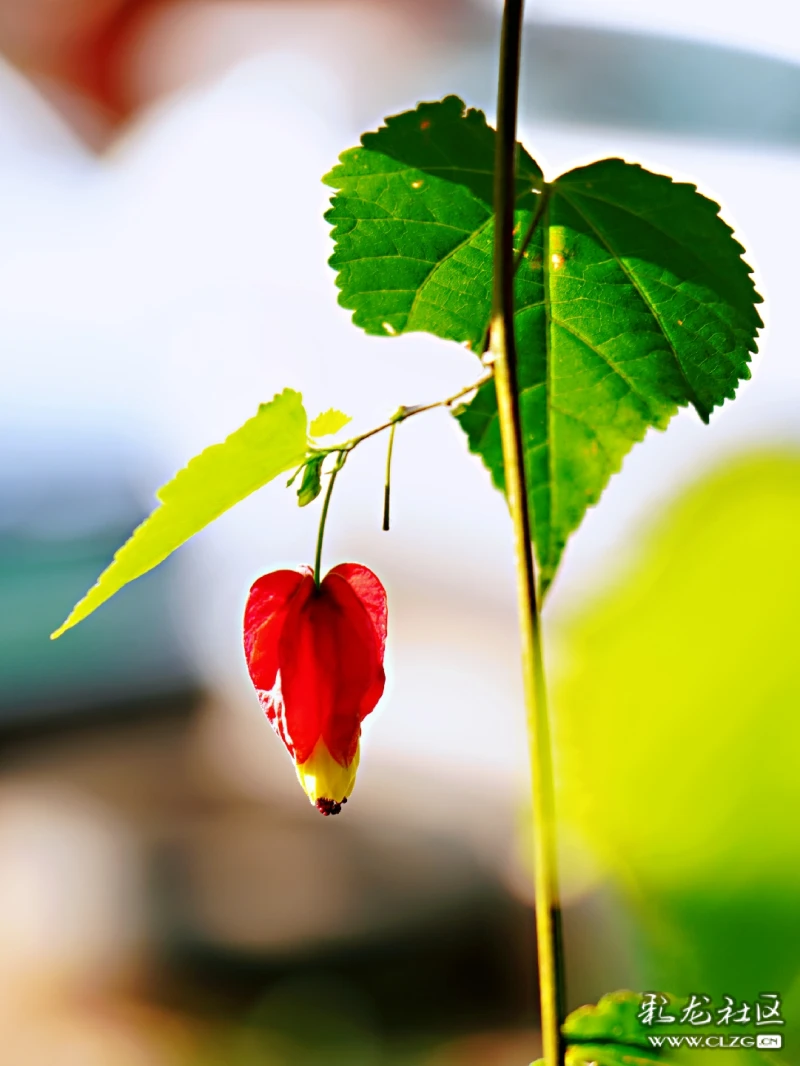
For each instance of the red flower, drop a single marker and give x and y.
(315, 656)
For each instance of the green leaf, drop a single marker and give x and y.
(614, 1018)
(413, 222)
(311, 485)
(328, 423)
(610, 1055)
(273, 441)
(631, 300)
(610, 1033)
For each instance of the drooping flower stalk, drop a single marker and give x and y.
(314, 647)
(323, 518)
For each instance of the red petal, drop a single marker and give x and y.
(370, 591)
(264, 619)
(330, 657)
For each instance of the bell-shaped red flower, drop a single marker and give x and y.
(315, 656)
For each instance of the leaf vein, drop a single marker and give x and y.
(691, 394)
(611, 365)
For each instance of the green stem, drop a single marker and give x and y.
(324, 516)
(503, 351)
(403, 413)
(387, 486)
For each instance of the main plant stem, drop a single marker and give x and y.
(503, 351)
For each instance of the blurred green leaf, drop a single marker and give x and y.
(311, 485)
(679, 735)
(273, 441)
(632, 298)
(328, 423)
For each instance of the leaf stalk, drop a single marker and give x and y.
(502, 345)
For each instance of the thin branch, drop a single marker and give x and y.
(343, 450)
(403, 413)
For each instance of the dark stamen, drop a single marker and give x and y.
(328, 806)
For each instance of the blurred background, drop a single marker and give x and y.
(167, 895)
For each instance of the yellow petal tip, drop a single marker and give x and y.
(325, 781)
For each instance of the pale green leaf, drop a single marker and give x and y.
(273, 441)
(328, 423)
